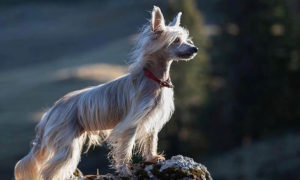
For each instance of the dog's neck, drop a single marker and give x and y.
(160, 68)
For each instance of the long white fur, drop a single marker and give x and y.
(127, 111)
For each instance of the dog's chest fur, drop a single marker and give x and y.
(162, 110)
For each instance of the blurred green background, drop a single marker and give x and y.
(237, 102)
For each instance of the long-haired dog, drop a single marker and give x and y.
(125, 112)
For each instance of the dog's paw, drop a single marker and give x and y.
(124, 171)
(155, 159)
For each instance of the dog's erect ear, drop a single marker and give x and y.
(157, 20)
(176, 20)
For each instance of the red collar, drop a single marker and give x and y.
(166, 83)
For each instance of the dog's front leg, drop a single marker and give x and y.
(123, 136)
(150, 149)
(122, 150)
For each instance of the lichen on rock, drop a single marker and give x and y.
(178, 167)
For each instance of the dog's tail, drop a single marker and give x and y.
(56, 152)
(54, 164)
(27, 168)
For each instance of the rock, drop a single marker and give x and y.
(178, 167)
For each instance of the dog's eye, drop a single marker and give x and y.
(177, 40)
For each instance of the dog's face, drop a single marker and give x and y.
(173, 39)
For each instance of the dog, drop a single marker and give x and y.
(125, 113)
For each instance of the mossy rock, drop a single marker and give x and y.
(178, 167)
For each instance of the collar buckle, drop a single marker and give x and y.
(166, 83)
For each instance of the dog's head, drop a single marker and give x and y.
(170, 41)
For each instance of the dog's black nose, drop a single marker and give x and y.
(194, 49)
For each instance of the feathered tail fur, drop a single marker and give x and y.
(56, 150)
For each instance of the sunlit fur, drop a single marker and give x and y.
(125, 112)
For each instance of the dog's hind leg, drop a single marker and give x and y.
(66, 156)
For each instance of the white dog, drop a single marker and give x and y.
(128, 111)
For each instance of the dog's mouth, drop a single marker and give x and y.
(186, 56)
